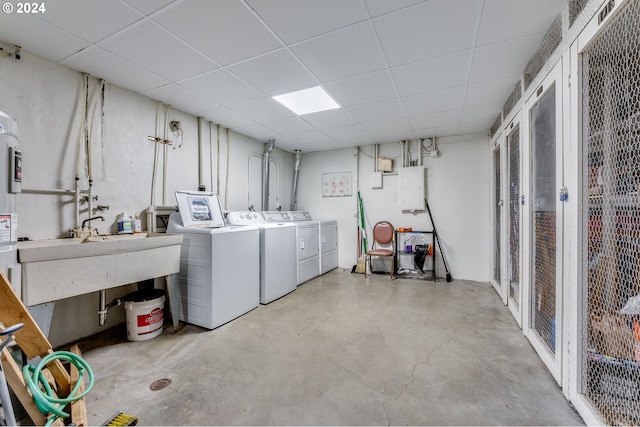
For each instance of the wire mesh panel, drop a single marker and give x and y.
(551, 41)
(513, 144)
(543, 186)
(497, 226)
(611, 219)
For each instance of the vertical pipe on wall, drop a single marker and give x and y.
(226, 179)
(165, 156)
(201, 186)
(268, 147)
(356, 215)
(217, 159)
(211, 153)
(296, 173)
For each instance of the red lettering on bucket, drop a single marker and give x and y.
(156, 315)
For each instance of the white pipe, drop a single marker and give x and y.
(211, 154)
(376, 154)
(356, 155)
(268, 147)
(226, 179)
(81, 138)
(165, 156)
(218, 159)
(296, 174)
(278, 207)
(200, 156)
(154, 175)
(77, 203)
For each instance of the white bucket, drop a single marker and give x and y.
(144, 314)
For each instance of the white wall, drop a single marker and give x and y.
(312, 166)
(44, 98)
(457, 192)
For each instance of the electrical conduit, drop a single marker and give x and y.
(296, 173)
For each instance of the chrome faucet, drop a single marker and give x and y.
(84, 223)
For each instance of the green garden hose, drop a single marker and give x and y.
(46, 402)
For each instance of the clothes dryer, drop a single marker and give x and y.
(219, 275)
(328, 245)
(277, 253)
(308, 246)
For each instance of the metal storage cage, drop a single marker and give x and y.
(611, 219)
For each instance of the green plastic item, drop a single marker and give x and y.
(362, 224)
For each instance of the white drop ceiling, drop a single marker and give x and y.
(400, 69)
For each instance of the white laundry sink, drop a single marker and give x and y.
(53, 269)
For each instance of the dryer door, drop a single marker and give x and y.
(308, 242)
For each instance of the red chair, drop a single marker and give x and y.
(383, 245)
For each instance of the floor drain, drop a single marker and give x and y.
(160, 384)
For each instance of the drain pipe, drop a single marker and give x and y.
(104, 307)
(268, 147)
(296, 172)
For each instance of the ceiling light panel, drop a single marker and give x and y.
(312, 100)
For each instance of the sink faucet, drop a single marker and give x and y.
(84, 223)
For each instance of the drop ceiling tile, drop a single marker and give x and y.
(387, 127)
(380, 7)
(438, 131)
(266, 73)
(181, 98)
(303, 139)
(288, 125)
(431, 102)
(39, 37)
(358, 90)
(440, 118)
(224, 30)
(296, 20)
(291, 146)
(481, 126)
(433, 74)
(491, 93)
(147, 7)
(388, 136)
(255, 131)
(263, 109)
(480, 114)
(384, 110)
(327, 145)
(427, 30)
(91, 20)
(344, 53)
(222, 87)
(100, 63)
(144, 44)
(499, 19)
(350, 132)
(501, 60)
(225, 117)
(329, 118)
(477, 120)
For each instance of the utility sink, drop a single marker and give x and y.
(53, 269)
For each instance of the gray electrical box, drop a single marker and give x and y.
(413, 188)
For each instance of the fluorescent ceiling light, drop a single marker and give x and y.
(307, 101)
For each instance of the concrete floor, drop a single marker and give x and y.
(340, 350)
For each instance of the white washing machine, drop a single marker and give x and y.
(308, 241)
(277, 253)
(328, 245)
(219, 275)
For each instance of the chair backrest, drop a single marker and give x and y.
(383, 232)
